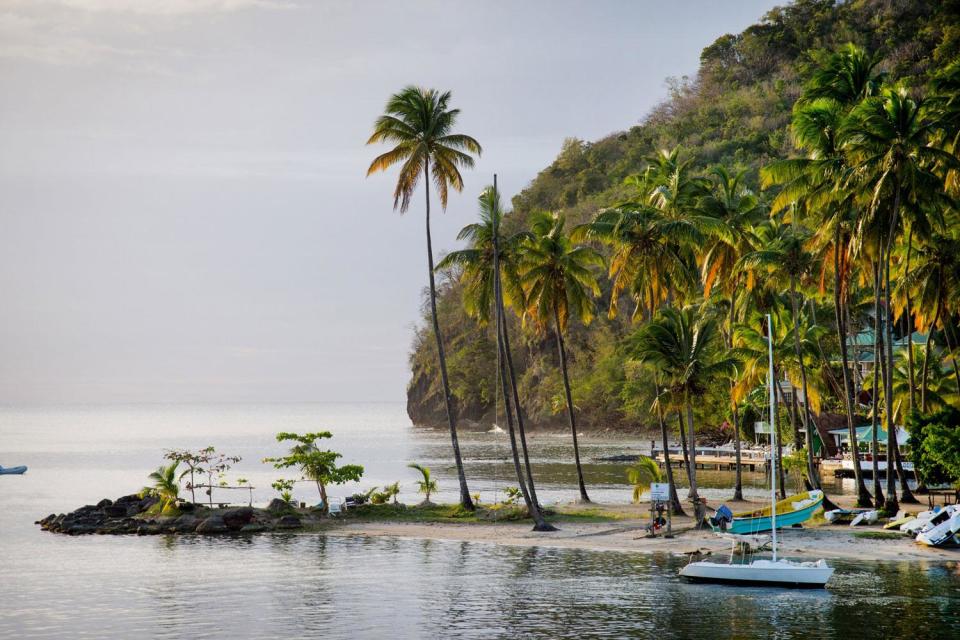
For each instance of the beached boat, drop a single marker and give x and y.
(773, 572)
(842, 516)
(867, 517)
(794, 510)
(914, 526)
(942, 530)
(12, 471)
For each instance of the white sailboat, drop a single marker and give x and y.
(773, 572)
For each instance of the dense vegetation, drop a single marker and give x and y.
(735, 113)
(809, 173)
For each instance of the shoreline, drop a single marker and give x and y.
(829, 542)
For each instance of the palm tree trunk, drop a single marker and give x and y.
(503, 358)
(947, 332)
(692, 446)
(465, 500)
(781, 476)
(566, 388)
(675, 504)
(738, 483)
(875, 391)
(683, 448)
(863, 498)
(926, 357)
(808, 421)
(891, 505)
(909, 313)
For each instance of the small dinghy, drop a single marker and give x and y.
(792, 511)
(842, 516)
(913, 527)
(12, 471)
(867, 517)
(939, 534)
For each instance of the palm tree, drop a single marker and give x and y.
(685, 346)
(739, 210)
(560, 283)
(426, 485)
(487, 263)
(165, 487)
(785, 257)
(420, 123)
(643, 472)
(888, 137)
(813, 183)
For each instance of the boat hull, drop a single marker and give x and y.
(12, 471)
(760, 573)
(758, 524)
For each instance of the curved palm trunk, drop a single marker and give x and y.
(465, 500)
(947, 332)
(863, 497)
(926, 357)
(675, 504)
(566, 388)
(808, 419)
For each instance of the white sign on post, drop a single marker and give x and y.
(660, 492)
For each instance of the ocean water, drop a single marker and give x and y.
(292, 586)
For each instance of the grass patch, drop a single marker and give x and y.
(415, 513)
(586, 514)
(877, 535)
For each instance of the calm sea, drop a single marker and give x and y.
(286, 586)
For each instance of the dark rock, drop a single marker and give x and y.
(278, 506)
(133, 509)
(235, 519)
(212, 525)
(289, 522)
(186, 524)
(187, 507)
(253, 528)
(116, 510)
(148, 502)
(106, 502)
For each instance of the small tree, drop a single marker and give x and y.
(203, 462)
(166, 487)
(642, 474)
(319, 465)
(389, 491)
(427, 485)
(284, 487)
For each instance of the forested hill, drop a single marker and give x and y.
(735, 112)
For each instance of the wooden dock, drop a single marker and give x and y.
(717, 459)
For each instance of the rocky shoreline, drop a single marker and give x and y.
(131, 515)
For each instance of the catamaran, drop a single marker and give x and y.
(774, 572)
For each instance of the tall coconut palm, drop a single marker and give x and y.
(685, 345)
(888, 137)
(813, 183)
(784, 256)
(420, 123)
(739, 209)
(560, 282)
(490, 278)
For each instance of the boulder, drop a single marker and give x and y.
(147, 502)
(212, 525)
(114, 510)
(185, 524)
(106, 502)
(289, 522)
(279, 506)
(235, 519)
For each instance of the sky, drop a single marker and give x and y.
(184, 212)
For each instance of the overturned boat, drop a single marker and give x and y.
(943, 529)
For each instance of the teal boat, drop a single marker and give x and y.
(794, 510)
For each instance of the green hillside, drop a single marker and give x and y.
(735, 112)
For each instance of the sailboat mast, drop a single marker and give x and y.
(773, 441)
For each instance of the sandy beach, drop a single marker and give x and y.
(628, 534)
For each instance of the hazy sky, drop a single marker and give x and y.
(182, 196)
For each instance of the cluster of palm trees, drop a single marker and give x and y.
(856, 235)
